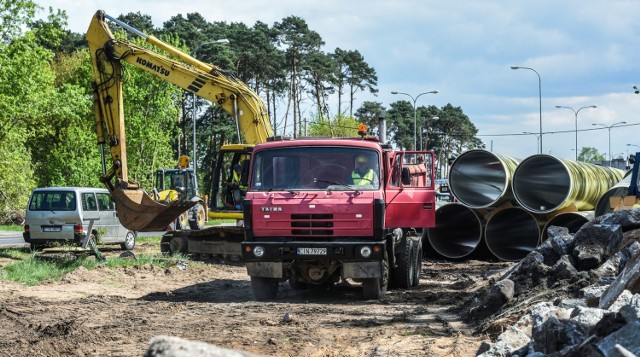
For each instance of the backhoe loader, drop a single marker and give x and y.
(135, 208)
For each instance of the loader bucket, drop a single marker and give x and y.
(139, 212)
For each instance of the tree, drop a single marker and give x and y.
(14, 15)
(319, 74)
(339, 127)
(299, 41)
(400, 124)
(353, 72)
(590, 154)
(369, 114)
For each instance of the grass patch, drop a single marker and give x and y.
(29, 269)
(12, 228)
(148, 239)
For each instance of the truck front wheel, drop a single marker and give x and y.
(374, 289)
(264, 288)
(405, 272)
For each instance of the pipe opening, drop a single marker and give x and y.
(457, 233)
(511, 233)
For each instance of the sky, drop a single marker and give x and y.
(579, 54)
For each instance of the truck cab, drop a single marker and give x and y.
(321, 210)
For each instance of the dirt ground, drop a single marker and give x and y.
(115, 312)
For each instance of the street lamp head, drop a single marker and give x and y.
(394, 92)
(223, 41)
(434, 92)
(515, 67)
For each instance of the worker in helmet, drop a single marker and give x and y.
(363, 174)
(239, 190)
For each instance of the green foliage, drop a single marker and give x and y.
(11, 228)
(13, 15)
(151, 111)
(340, 127)
(590, 154)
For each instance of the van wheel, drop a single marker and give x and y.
(264, 288)
(200, 217)
(129, 241)
(374, 289)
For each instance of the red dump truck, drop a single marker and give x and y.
(319, 210)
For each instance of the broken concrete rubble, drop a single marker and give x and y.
(593, 281)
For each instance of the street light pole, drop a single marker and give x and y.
(539, 97)
(223, 41)
(415, 115)
(537, 139)
(609, 127)
(575, 112)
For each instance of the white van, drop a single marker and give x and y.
(63, 214)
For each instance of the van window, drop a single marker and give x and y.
(104, 202)
(89, 202)
(53, 201)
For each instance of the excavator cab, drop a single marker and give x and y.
(227, 186)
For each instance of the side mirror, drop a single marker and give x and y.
(406, 176)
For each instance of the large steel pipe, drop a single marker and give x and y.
(544, 183)
(511, 233)
(480, 178)
(570, 220)
(619, 190)
(457, 233)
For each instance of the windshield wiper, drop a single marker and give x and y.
(333, 183)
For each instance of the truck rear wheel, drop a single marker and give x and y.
(405, 272)
(264, 288)
(374, 289)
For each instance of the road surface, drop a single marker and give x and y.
(11, 239)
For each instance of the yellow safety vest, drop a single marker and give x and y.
(366, 179)
(236, 179)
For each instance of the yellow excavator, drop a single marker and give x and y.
(135, 208)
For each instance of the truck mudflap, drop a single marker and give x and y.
(361, 270)
(265, 269)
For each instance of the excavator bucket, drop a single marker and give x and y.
(139, 212)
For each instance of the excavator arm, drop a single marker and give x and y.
(135, 209)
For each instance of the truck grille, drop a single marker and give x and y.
(312, 224)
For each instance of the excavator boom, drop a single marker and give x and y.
(135, 209)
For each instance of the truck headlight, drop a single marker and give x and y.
(365, 251)
(258, 251)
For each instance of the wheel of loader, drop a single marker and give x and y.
(182, 222)
(405, 271)
(418, 261)
(264, 288)
(198, 222)
(374, 289)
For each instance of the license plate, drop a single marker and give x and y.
(312, 251)
(51, 229)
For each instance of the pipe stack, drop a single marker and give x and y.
(510, 203)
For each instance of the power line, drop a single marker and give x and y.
(558, 132)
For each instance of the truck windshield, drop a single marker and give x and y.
(316, 168)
